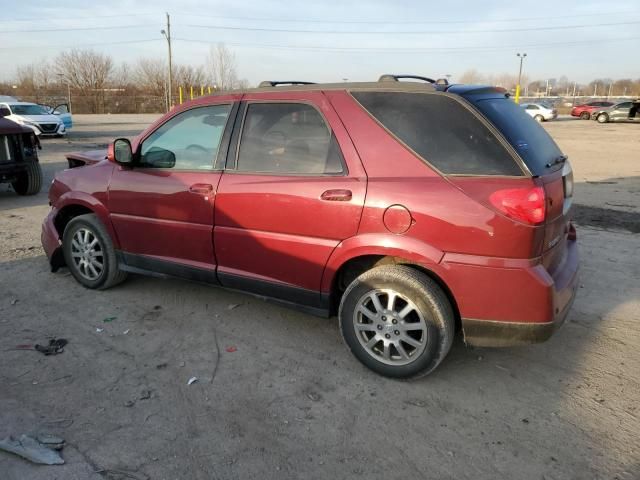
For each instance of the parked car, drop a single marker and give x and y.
(33, 116)
(63, 112)
(404, 209)
(19, 164)
(540, 112)
(620, 112)
(585, 110)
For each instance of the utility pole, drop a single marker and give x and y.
(574, 93)
(519, 76)
(610, 87)
(595, 89)
(167, 35)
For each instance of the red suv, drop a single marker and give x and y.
(585, 110)
(408, 209)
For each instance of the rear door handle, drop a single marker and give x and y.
(337, 195)
(202, 188)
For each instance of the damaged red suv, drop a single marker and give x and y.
(409, 209)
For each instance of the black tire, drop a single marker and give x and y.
(29, 182)
(585, 116)
(539, 118)
(602, 118)
(430, 302)
(110, 274)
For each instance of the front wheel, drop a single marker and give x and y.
(29, 181)
(89, 253)
(397, 321)
(602, 118)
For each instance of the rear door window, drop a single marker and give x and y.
(534, 145)
(441, 131)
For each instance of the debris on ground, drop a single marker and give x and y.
(129, 403)
(233, 306)
(55, 346)
(126, 331)
(192, 380)
(14, 301)
(162, 366)
(109, 319)
(145, 395)
(51, 441)
(231, 349)
(34, 451)
(99, 330)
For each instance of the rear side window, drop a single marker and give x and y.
(441, 131)
(287, 138)
(534, 145)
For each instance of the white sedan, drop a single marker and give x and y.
(33, 116)
(540, 112)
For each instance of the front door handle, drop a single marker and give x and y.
(202, 188)
(337, 196)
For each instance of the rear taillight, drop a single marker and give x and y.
(523, 204)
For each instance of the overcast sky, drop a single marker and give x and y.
(301, 40)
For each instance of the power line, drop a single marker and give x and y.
(410, 32)
(63, 47)
(78, 29)
(413, 50)
(397, 22)
(86, 17)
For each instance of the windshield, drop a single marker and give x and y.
(28, 110)
(534, 145)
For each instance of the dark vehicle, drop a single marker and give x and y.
(621, 112)
(585, 110)
(408, 209)
(19, 158)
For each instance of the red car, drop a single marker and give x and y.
(585, 110)
(409, 210)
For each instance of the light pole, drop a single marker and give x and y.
(519, 76)
(167, 35)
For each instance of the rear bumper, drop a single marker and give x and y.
(51, 242)
(516, 306)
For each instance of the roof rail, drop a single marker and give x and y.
(395, 78)
(274, 83)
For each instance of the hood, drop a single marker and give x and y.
(40, 118)
(9, 127)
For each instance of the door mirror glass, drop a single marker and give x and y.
(122, 153)
(157, 157)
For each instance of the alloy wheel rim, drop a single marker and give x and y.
(390, 327)
(87, 254)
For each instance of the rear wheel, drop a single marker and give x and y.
(29, 182)
(585, 116)
(539, 118)
(397, 321)
(89, 253)
(602, 118)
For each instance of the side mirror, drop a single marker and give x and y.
(120, 152)
(4, 112)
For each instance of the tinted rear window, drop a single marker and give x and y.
(441, 131)
(534, 145)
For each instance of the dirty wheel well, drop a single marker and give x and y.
(66, 214)
(356, 266)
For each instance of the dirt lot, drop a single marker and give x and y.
(290, 401)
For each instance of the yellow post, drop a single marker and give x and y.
(517, 99)
(191, 92)
(180, 90)
(209, 89)
(201, 90)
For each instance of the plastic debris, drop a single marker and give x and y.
(56, 346)
(126, 331)
(99, 330)
(192, 380)
(109, 319)
(51, 441)
(14, 301)
(231, 349)
(233, 306)
(32, 450)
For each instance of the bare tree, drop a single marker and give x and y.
(150, 74)
(472, 76)
(88, 72)
(221, 66)
(189, 76)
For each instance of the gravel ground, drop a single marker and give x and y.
(278, 394)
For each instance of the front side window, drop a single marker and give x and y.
(532, 107)
(189, 141)
(287, 138)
